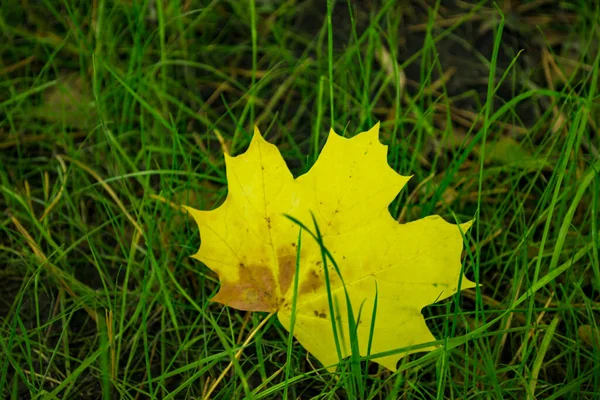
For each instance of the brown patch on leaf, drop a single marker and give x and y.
(312, 283)
(287, 269)
(255, 290)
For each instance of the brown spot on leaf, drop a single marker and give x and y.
(254, 291)
(311, 283)
(287, 269)
(322, 315)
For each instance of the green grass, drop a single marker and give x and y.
(113, 113)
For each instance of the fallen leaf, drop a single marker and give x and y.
(70, 102)
(589, 335)
(509, 152)
(251, 246)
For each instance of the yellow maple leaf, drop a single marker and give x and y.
(251, 245)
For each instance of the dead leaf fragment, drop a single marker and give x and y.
(509, 152)
(70, 102)
(589, 335)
